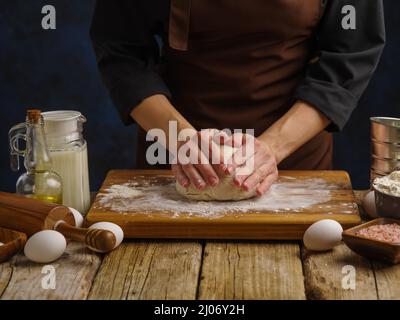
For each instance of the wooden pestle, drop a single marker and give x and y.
(100, 240)
(30, 216)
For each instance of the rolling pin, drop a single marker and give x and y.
(30, 216)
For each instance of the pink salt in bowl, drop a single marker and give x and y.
(378, 239)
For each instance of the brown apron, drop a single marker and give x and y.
(235, 64)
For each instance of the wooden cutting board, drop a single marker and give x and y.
(145, 204)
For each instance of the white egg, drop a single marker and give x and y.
(78, 217)
(323, 235)
(45, 246)
(1, 244)
(369, 206)
(114, 228)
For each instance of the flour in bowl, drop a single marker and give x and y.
(389, 184)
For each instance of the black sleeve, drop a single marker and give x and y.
(335, 82)
(123, 37)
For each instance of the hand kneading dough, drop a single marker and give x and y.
(224, 191)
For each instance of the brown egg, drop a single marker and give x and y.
(368, 205)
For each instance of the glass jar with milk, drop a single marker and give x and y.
(68, 151)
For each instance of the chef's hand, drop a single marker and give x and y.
(199, 171)
(255, 169)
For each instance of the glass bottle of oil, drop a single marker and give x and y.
(39, 181)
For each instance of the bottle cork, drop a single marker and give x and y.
(33, 115)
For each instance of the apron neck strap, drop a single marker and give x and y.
(179, 22)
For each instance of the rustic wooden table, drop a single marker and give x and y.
(201, 270)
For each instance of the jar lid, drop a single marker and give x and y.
(62, 122)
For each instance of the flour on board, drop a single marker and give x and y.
(145, 195)
(123, 191)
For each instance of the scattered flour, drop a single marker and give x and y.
(123, 191)
(389, 184)
(145, 195)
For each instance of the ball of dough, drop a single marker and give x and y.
(224, 191)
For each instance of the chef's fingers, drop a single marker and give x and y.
(243, 172)
(234, 141)
(221, 137)
(208, 174)
(180, 176)
(216, 157)
(188, 153)
(207, 171)
(258, 166)
(267, 183)
(195, 164)
(241, 157)
(257, 176)
(205, 149)
(250, 165)
(194, 176)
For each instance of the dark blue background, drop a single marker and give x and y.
(56, 70)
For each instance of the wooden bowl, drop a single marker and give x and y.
(14, 242)
(387, 205)
(369, 248)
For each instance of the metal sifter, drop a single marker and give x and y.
(385, 146)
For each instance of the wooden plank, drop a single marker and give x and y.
(387, 280)
(149, 270)
(5, 276)
(324, 274)
(74, 272)
(251, 271)
(280, 223)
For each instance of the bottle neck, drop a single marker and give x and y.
(37, 157)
